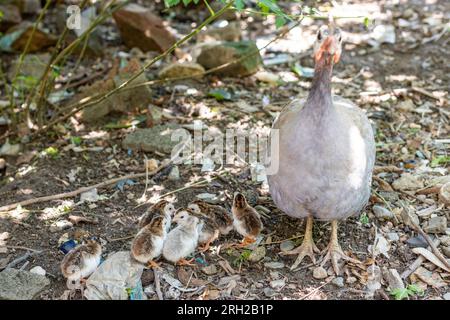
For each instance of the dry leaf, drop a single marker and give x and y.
(430, 257)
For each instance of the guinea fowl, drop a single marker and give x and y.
(326, 153)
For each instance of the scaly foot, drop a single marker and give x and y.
(334, 251)
(184, 262)
(153, 265)
(307, 248)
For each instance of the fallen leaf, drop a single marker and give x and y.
(430, 257)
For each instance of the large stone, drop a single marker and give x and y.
(33, 66)
(218, 54)
(29, 6)
(153, 139)
(382, 213)
(142, 29)
(17, 38)
(177, 70)
(126, 100)
(436, 225)
(407, 181)
(11, 16)
(21, 285)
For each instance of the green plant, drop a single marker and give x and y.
(52, 152)
(405, 293)
(364, 219)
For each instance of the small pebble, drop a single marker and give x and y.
(320, 273)
(446, 296)
(287, 245)
(258, 254)
(274, 265)
(277, 284)
(174, 174)
(382, 213)
(269, 292)
(38, 270)
(393, 236)
(351, 280)
(209, 270)
(338, 282)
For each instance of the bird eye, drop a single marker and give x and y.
(319, 36)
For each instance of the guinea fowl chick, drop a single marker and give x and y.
(326, 153)
(80, 263)
(247, 221)
(219, 215)
(208, 229)
(182, 240)
(160, 208)
(149, 242)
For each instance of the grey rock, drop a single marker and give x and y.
(174, 174)
(269, 292)
(214, 55)
(351, 280)
(60, 225)
(320, 273)
(392, 236)
(445, 240)
(382, 213)
(436, 225)
(338, 282)
(38, 270)
(274, 265)
(287, 245)
(153, 139)
(277, 284)
(393, 279)
(209, 270)
(446, 296)
(208, 197)
(21, 285)
(417, 242)
(389, 196)
(407, 181)
(258, 254)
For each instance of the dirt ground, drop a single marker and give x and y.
(402, 136)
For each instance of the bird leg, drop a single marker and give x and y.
(307, 248)
(245, 242)
(334, 250)
(153, 265)
(205, 247)
(184, 262)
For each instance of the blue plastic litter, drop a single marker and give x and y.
(67, 246)
(136, 293)
(200, 260)
(122, 183)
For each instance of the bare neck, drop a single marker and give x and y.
(319, 99)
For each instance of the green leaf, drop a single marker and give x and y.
(52, 152)
(239, 4)
(75, 140)
(280, 21)
(414, 289)
(400, 294)
(171, 3)
(364, 219)
(186, 2)
(220, 94)
(440, 160)
(366, 22)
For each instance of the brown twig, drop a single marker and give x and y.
(22, 248)
(158, 284)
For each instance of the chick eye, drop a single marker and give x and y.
(319, 36)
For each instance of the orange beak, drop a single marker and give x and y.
(329, 48)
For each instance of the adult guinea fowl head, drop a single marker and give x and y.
(326, 152)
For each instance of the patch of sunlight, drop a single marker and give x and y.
(19, 213)
(23, 171)
(400, 78)
(93, 135)
(50, 213)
